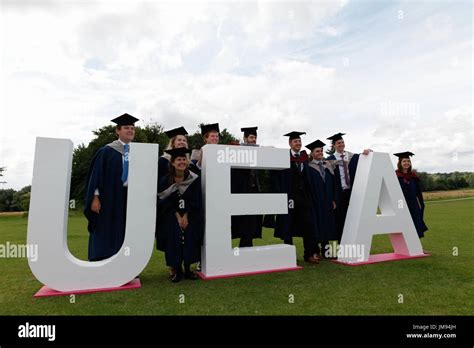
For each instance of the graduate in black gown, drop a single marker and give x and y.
(344, 164)
(210, 134)
(178, 139)
(106, 192)
(246, 227)
(410, 184)
(301, 218)
(179, 222)
(322, 187)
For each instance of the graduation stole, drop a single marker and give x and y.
(117, 146)
(326, 165)
(303, 157)
(332, 164)
(181, 187)
(407, 176)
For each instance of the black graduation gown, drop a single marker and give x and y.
(322, 195)
(352, 166)
(268, 221)
(411, 191)
(169, 234)
(245, 226)
(163, 167)
(301, 219)
(106, 229)
(194, 168)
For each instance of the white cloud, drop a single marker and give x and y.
(69, 67)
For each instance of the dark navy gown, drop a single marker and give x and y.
(180, 246)
(323, 195)
(106, 229)
(411, 191)
(163, 167)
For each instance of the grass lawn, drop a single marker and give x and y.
(438, 285)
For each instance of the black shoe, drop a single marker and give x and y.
(175, 278)
(191, 276)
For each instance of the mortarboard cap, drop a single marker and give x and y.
(178, 152)
(294, 135)
(177, 131)
(125, 120)
(315, 144)
(206, 128)
(336, 137)
(249, 130)
(405, 154)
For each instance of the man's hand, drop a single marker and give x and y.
(367, 151)
(333, 205)
(95, 206)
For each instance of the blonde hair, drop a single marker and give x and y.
(171, 146)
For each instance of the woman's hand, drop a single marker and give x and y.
(184, 221)
(199, 162)
(179, 218)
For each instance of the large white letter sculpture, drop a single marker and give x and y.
(376, 185)
(55, 266)
(218, 257)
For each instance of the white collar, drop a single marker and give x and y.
(295, 153)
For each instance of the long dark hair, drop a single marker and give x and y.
(400, 168)
(172, 171)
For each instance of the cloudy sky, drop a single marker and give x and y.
(394, 75)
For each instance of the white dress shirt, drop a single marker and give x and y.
(341, 169)
(294, 153)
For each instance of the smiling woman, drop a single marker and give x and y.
(179, 221)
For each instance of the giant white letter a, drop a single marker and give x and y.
(376, 186)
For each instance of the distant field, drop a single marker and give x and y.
(12, 213)
(429, 196)
(437, 285)
(435, 195)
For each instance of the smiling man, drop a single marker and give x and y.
(301, 219)
(106, 194)
(344, 164)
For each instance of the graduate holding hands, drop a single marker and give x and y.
(179, 222)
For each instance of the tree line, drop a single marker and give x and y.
(12, 200)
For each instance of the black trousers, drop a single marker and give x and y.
(309, 245)
(245, 242)
(303, 224)
(341, 212)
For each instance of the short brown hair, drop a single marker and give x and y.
(206, 135)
